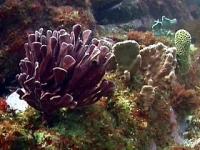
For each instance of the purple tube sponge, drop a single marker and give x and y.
(63, 70)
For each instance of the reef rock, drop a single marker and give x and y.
(145, 11)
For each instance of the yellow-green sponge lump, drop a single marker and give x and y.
(182, 43)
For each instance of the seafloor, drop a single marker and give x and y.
(99, 75)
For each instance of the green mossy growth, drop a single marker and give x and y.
(108, 124)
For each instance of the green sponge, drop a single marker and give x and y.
(126, 53)
(182, 43)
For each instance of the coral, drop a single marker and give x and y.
(168, 23)
(63, 70)
(126, 53)
(164, 27)
(143, 38)
(157, 68)
(182, 43)
(157, 63)
(164, 30)
(147, 94)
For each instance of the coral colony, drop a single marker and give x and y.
(63, 70)
(163, 27)
(135, 87)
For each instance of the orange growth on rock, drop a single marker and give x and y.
(143, 38)
(181, 95)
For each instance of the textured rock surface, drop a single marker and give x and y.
(146, 10)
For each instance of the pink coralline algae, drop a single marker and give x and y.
(63, 70)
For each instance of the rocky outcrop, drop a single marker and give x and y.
(146, 10)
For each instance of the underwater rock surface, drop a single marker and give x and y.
(146, 10)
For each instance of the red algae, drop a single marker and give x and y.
(3, 105)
